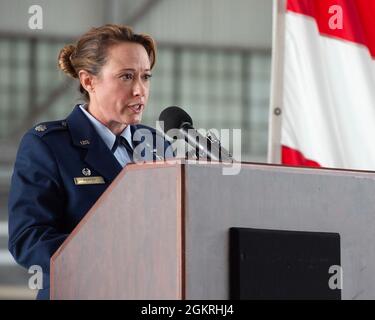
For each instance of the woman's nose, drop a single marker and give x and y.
(138, 89)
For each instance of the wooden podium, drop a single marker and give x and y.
(160, 231)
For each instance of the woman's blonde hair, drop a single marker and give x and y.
(90, 51)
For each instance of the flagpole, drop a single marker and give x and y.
(276, 93)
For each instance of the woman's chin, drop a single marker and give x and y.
(135, 119)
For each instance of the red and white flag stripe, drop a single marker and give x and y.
(328, 84)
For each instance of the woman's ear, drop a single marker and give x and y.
(87, 80)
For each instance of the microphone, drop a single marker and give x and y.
(205, 147)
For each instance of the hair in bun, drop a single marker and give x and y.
(65, 60)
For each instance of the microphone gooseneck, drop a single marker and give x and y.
(208, 147)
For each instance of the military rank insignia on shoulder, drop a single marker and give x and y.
(43, 128)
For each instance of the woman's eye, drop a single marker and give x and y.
(127, 76)
(147, 76)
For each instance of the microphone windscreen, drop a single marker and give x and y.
(174, 117)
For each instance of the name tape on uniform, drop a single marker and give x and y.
(89, 180)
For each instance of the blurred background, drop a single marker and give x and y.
(214, 60)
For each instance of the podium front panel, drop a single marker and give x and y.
(278, 198)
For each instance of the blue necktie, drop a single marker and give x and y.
(121, 140)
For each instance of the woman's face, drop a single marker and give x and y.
(120, 91)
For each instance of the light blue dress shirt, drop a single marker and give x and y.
(109, 138)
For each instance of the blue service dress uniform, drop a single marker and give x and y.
(45, 203)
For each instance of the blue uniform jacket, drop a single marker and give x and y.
(45, 204)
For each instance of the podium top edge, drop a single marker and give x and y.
(253, 165)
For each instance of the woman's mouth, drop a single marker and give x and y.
(137, 108)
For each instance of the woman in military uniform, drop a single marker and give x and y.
(63, 167)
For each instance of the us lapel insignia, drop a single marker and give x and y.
(86, 172)
(84, 142)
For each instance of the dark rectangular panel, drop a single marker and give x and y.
(275, 264)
